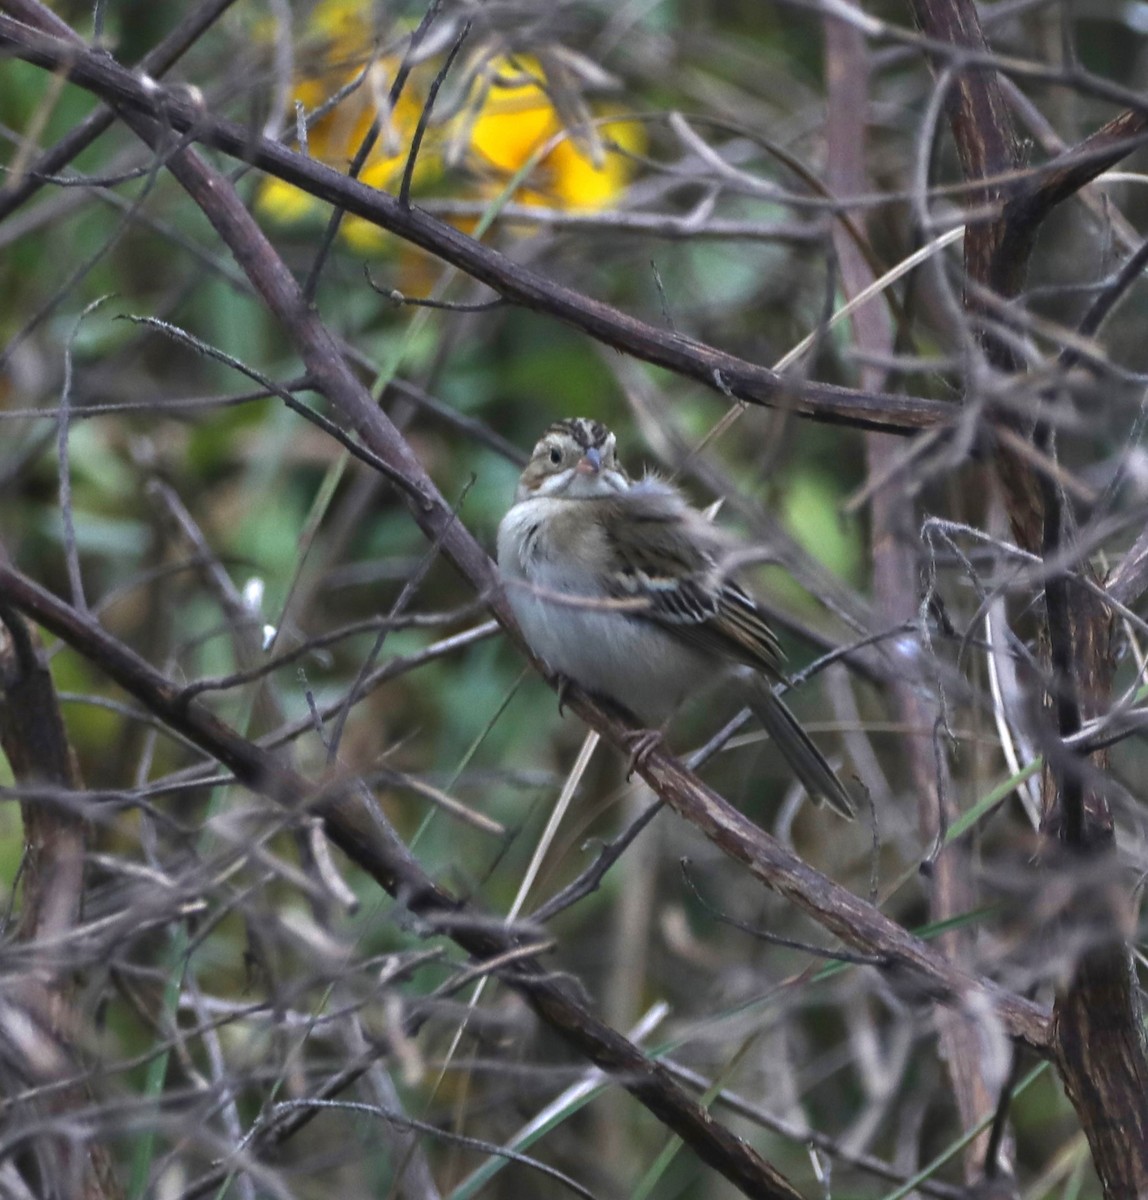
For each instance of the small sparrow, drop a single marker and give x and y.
(622, 587)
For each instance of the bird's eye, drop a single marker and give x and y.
(555, 455)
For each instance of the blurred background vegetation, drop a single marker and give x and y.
(215, 532)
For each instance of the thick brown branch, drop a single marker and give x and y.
(979, 117)
(1031, 202)
(40, 999)
(34, 740)
(1101, 1056)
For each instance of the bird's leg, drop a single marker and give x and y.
(641, 743)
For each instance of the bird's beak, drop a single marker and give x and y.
(590, 463)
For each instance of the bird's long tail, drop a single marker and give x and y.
(808, 763)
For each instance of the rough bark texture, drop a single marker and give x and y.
(1100, 1055)
(36, 1003)
(1098, 1019)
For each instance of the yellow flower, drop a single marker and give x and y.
(515, 120)
(346, 39)
(575, 180)
(509, 124)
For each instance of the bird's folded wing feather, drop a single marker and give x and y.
(661, 550)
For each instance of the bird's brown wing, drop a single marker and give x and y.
(659, 549)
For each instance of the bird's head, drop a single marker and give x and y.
(574, 459)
